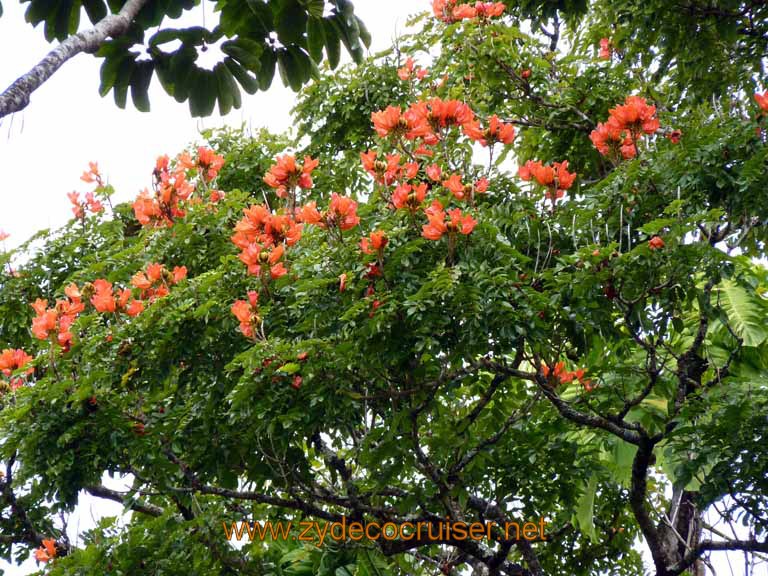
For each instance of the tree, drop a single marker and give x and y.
(132, 38)
(390, 322)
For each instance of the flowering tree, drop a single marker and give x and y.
(494, 279)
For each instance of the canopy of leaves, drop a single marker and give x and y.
(255, 37)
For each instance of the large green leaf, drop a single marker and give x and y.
(746, 311)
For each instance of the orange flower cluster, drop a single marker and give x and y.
(92, 175)
(208, 163)
(247, 312)
(261, 236)
(410, 70)
(374, 243)
(155, 282)
(341, 214)
(437, 225)
(11, 361)
(555, 178)
(463, 191)
(562, 376)
(427, 120)
(59, 319)
(286, 174)
(409, 196)
(497, 131)
(47, 551)
(450, 11)
(627, 123)
(389, 171)
(172, 187)
(105, 300)
(91, 204)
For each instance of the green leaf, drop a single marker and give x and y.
(267, 69)
(332, 43)
(226, 88)
(315, 38)
(248, 82)
(290, 21)
(140, 80)
(746, 311)
(584, 517)
(95, 9)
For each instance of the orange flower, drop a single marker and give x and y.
(256, 257)
(611, 138)
(342, 282)
(437, 226)
(247, 313)
(375, 243)
(565, 179)
(140, 281)
(286, 174)
(656, 243)
(605, 49)
(388, 120)
(103, 299)
(383, 172)
(92, 174)
(434, 172)
(309, 214)
(135, 308)
(342, 212)
(47, 551)
(448, 11)
(674, 136)
(560, 374)
(77, 207)
(4, 235)
(12, 360)
(95, 206)
(455, 185)
(154, 271)
(489, 9)
(210, 162)
(762, 100)
(636, 115)
(179, 274)
(497, 131)
(408, 196)
(409, 70)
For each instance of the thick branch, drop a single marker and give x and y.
(712, 546)
(16, 96)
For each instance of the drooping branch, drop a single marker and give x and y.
(104, 492)
(16, 97)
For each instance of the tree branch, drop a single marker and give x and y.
(16, 97)
(713, 546)
(104, 492)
